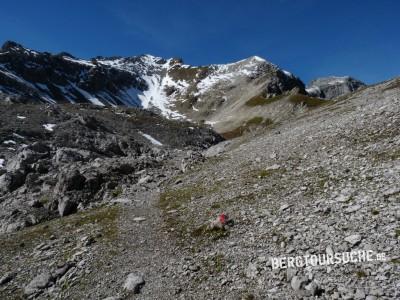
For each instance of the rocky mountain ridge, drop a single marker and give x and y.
(134, 81)
(215, 94)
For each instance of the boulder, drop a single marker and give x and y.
(70, 181)
(39, 283)
(11, 181)
(66, 206)
(134, 283)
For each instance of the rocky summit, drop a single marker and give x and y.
(333, 86)
(145, 178)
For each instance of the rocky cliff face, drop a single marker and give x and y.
(332, 87)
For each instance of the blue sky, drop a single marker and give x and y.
(310, 38)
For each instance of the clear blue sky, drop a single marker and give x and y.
(310, 38)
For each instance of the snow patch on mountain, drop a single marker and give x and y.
(49, 127)
(155, 96)
(151, 139)
(154, 71)
(87, 95)
(79, 61)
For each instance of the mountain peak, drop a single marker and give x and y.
(257, 58)
(11, 45)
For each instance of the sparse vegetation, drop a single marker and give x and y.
(361, 274)
(260, 100)
(395, 261)
(188, 73)
(296, 99)
(308, 101)
(175, 198)
(263, 174)
(27, 237)
(215, 264)
(45, 199)
(248, 296)
(375, 212)
(248, 125)
(393, 85)
(216, 205)
(393, 154)
(117, 192)
(213, 233)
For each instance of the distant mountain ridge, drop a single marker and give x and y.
(333, 86)
(215, 94)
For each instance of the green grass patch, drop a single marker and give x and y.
(375, 212)
(260, 100)
(296, 99)
(263, 174)
(216, 205)
(105, 217)
(395, 261)
(45, 199)
(255, 121)
(175, 198)
(117, 192)
(361, 274)
(249, 124)
(215, 264)
(188, 73)
(393, 154)
(310, 102)
(213, 233)
(248, 296)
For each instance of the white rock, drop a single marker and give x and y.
(41, 281)
(273, 167)
(134, 282)
(353, 239)
(251, 271)
(352, 209)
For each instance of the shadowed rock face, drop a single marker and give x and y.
(332, 87)
(27, 75)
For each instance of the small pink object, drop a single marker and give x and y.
(222, 218)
